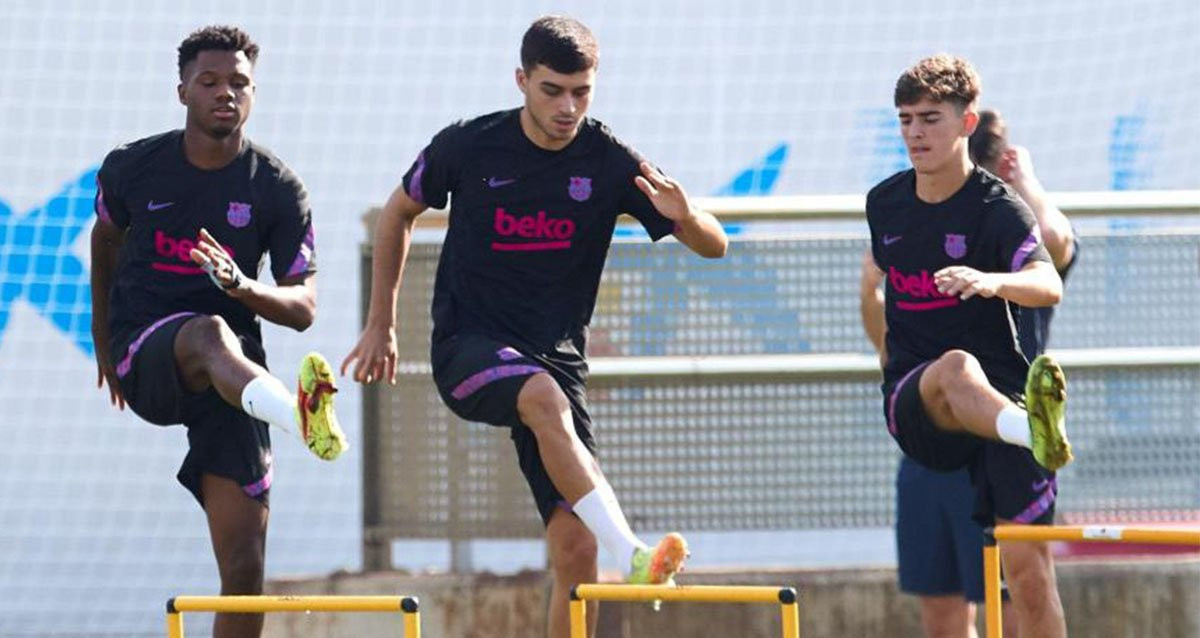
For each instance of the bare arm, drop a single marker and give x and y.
(870, 305)
(1016, 168)
(375, 353)
(694, 228)
(106, 243)
(702, 233)
(1035, 285)
(291, 302)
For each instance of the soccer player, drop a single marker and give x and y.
(938, 543)
(181, 216)
(536, 194)
(957, 248)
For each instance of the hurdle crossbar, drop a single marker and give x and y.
(785, 597)
(406, 605)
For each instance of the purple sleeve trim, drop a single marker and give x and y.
(101, 207)
(304, 255)
(1026, 247)
(414, 183)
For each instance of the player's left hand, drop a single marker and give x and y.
(964, 282)
(221, 268)
(665, 193)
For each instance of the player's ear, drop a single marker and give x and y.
(970, 120)
(522, 80)
(182, 96)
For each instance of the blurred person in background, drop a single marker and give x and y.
(958, 249)
(990, 149)
(534, 197)
(184, 220)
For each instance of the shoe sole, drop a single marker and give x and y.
(319, 426)
(1048, 385)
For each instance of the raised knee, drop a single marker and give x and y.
(957, 361)
(541, 402)
(955, 367)
(209, 331)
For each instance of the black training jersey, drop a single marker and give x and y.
(984, 226)
(254, 206)
(529, 228)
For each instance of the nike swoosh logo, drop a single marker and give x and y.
(497, 183)
(888, 240)
(1040, 485)
(158, 206)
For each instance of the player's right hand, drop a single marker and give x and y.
(106, 373)
(374, 356)
(1015, 165)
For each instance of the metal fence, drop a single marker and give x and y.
(695, 435)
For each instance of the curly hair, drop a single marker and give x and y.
(216, 38)
(941, 78)
(561, 43)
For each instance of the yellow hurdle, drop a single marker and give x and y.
(785, 597)
(1043, 533)
(406, 605)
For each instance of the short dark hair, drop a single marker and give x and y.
(941, 78)
(989, 140)
(561, 43)
(215, 38)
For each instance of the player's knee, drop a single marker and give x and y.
(1029, 571)
(575, 555)
(945, 616)
(956, 367)
(957, 361)
(542, 403)
(208, 334)
(944, 628)
(242, 570)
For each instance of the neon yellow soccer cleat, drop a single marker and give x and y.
(1045, 402)
(656, 566)
(314, 403)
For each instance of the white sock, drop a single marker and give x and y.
(599, 510)
(1012, 426)
(266, 398)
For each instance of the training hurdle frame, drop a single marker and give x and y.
(1083, 533)
(406, 605)
(785, 597)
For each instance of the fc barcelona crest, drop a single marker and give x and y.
(238, 214)
(580, 188)
(956, 245)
